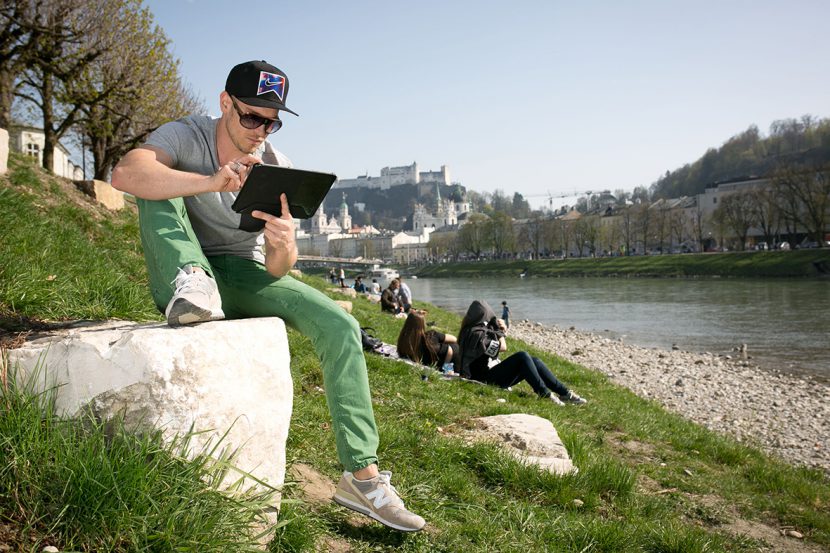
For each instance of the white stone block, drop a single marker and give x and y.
(215, 376)
(4, 151)
(531, 439)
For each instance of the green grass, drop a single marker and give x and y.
(62, 256)
(648, 481)
(93, 486)
(778, 264)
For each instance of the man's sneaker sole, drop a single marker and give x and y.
(182, 312)
(355, 505)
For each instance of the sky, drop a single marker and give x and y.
(546, 98)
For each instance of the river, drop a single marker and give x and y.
(785, 323)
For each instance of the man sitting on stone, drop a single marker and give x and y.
(202, 267)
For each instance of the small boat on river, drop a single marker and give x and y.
(383, 275)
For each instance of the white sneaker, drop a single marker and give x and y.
(556, 401)
(377, 498)
(573, 399)
(196, 299)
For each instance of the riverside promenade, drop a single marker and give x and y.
(784, 415)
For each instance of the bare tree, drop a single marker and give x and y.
(643, 222)
(58, 53)
(500, 227)
(735, 212)
(473, 236)
(611, 234)
(806, 192)
(698, 226)
(677, 227)
(766, 213)
(533, 232)
(590, 231)
(662, 225)
(16, 38)
(142, 83)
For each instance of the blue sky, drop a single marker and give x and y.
(535, 97)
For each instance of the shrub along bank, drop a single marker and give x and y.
(790, 264)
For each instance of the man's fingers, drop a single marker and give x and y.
(285, 211)
(264, 216)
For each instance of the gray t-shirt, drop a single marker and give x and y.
(191, 143)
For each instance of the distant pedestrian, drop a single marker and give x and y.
(505, 314)
(342, 278)
(332, 276)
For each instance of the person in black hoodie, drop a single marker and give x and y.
(482, 338)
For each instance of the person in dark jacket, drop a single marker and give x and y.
(482, 339)
(389, 299)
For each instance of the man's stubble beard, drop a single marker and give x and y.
(241, 147)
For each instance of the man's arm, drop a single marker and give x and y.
(147, 173)
(280, 244)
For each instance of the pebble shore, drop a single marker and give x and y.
(784, 415)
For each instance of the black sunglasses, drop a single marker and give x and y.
(251, 121)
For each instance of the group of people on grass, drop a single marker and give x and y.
(474, 353)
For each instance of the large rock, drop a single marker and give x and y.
(531, 439)
(215, 376)
(103, 193)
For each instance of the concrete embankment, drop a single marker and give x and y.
(784, 415)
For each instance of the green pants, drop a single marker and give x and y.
(248, 290)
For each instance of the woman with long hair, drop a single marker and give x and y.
(482, 339)
(428, 347)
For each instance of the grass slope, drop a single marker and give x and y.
(649, 481)
(793, 264)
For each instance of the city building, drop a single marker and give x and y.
(321, 224)
(31, 140)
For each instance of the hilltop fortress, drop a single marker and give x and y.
(395, 176)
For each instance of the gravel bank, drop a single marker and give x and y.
(784, 415)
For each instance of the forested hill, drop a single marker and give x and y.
(791, 141)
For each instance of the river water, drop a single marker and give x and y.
(785, 323)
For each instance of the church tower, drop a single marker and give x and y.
(345, 218)
(319, 221)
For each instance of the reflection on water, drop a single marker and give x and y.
(785, 323)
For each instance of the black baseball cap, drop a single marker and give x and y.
(260, 84)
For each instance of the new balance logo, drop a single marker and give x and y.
(378, 497)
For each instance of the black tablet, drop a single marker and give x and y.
(305, 191)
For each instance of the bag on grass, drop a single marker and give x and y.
(370, 343)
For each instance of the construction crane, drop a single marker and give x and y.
(550, 196)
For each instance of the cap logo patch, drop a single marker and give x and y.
(271, 82)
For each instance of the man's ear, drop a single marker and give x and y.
(224, 101)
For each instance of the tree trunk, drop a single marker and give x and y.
(6, 98)
(49, 138)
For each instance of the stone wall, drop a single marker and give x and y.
(103, 192)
